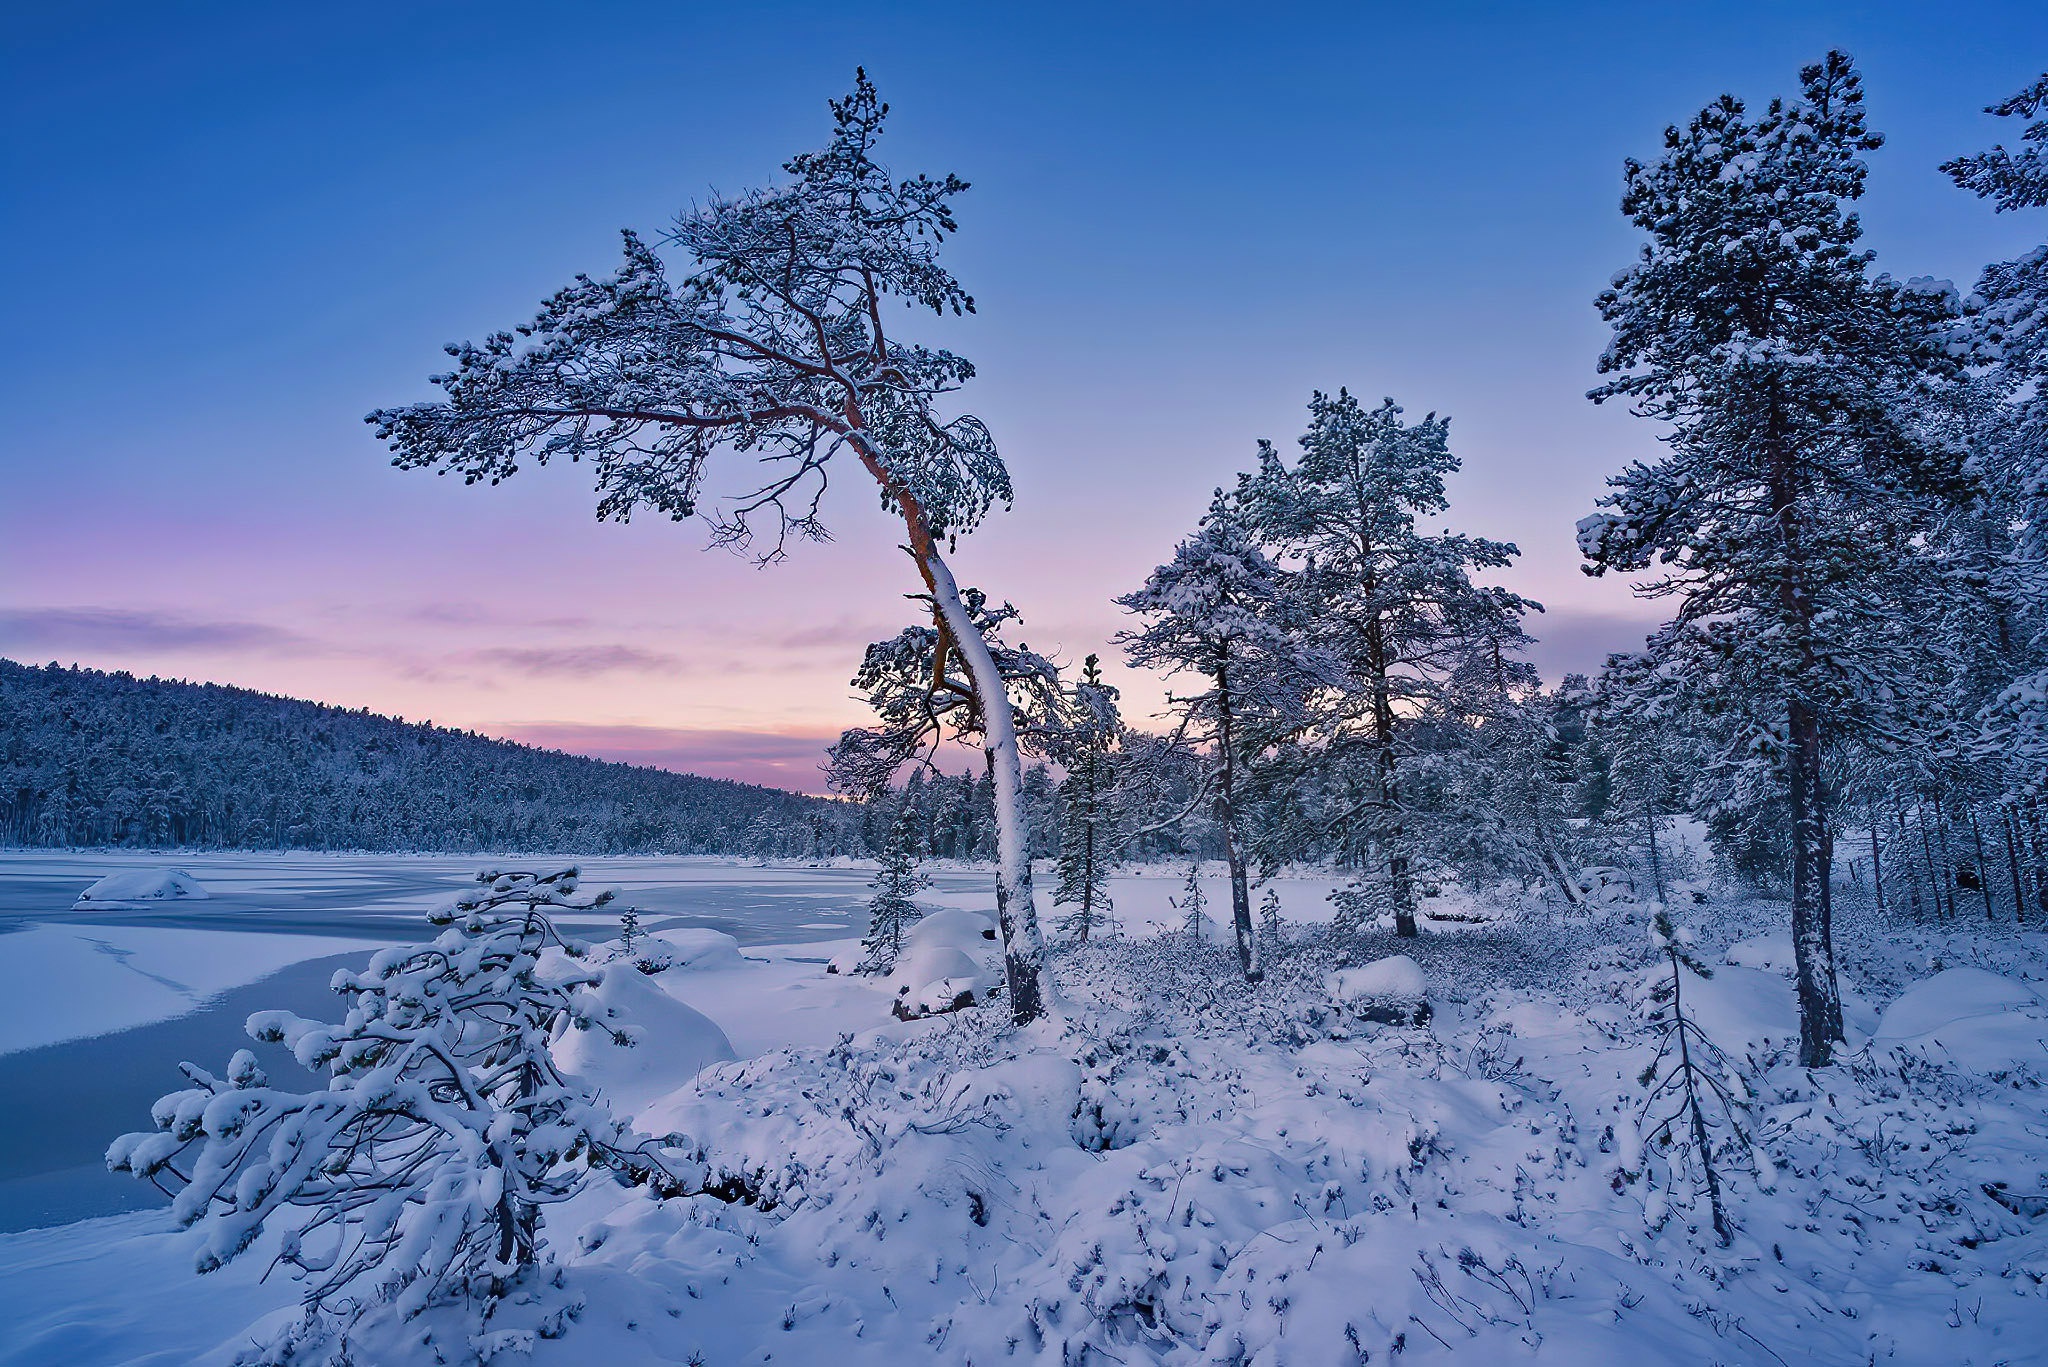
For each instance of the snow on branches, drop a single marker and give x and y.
(444, 1127)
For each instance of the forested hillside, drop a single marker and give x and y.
(90, 758)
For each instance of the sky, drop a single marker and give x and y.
(227, 232)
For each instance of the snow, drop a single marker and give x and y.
(671, 1042)
(64, 982)
(142, 886)
(1953, 995)
(1771, 951)
(1186, 1171)
(1975, 1019)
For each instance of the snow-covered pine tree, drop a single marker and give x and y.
(2009, 316)
(1786, 513)
(773, 347)
(891, 912)
(629, 931)
(1360, 904)
(2010, 306)
(444, 1128)
(1191, 902)
(1088, 835)
(1689, 1077)
(1395, 604)
(1225, 614)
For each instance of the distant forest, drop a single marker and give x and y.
(92, 758)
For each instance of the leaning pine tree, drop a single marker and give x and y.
(774, 346)
(1787, 515)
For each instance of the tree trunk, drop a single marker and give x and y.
(2012, 860)
(1820, 1000)
(1876, 867)
(1399, 884)
(1983, 865)
(1656, 868)
(1226, 818)
(1950, 883)
(1927, 853)
(1906, 844)
(1023, 945)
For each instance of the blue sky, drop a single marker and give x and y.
(226, 232)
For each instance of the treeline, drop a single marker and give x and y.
(103, 759)
(92, 758)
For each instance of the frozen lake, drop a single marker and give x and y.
(100, 1006)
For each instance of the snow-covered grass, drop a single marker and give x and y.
(1186, 1170)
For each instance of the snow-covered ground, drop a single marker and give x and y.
(1188, 1170)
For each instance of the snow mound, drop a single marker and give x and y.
(1981, 1021)
(142, 885)
(670, 1043)
(955, 926)
(1393, 990)
(1954, 995)
(690, 948)
(1772, 953)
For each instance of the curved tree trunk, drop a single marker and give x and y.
(1016, 913)
(1023, 945)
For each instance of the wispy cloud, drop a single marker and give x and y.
(579, 662)
(477, 615)
(780, 759)
(33, 630)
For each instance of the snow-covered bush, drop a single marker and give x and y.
(1392, 991)
(443, 1130)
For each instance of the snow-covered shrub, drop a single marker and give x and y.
(443, 1130)
(1391, 991)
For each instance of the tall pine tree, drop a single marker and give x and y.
(1395, 604)
(1784, 517)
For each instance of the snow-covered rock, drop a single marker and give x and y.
(699, 949)
(671, 1042)
(934, 978)
(947, 963)
(141, 886)
(1393, 990)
